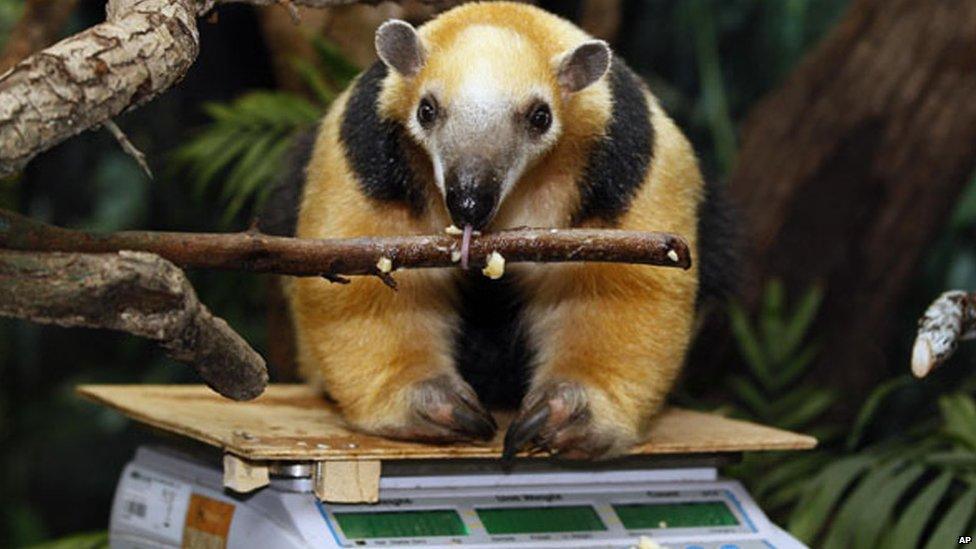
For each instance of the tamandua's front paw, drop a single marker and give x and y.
(571, 420)
(439, 409)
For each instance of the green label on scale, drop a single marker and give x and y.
(401, 524)
(640, 516)
(541, 520)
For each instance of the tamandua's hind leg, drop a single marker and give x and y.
(386, 356)
(609, 342)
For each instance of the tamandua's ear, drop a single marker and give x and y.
(400, 48)
(583, 65)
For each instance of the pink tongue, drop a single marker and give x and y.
(465, 246)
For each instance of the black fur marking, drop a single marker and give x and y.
(719, 258)
(491, 350)
(375, 146)
(279, 215)
(618, 163)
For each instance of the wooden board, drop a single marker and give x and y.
(292, 422)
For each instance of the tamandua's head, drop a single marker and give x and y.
(485, 106)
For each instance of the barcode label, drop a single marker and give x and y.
(137, 508)
(152, 504)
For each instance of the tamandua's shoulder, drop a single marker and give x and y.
(619, 160)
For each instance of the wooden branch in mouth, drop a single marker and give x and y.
(256, 252)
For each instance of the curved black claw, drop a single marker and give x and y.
(471, 418)
(558, 418)
(524, 429)
(448, 409)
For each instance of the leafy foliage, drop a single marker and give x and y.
(247, 139)
(330, 76)
(245, 143)
(914, 490)
(899, 493)
(778, 355)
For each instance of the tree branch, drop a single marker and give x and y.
(127, 146)
(256, 252)
(949, 319)
(133, 292)
(142, 48)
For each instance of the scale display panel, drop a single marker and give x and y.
(401, 524)
(555, 516)
(639, 516)
(535, 520)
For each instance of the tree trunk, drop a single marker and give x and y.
(847, 172)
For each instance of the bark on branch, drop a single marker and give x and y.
(142, 48)
(133, 292)
(256, 252)
(949, 319)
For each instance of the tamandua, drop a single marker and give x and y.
(491, 116)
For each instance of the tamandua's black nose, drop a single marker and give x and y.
(472, 197)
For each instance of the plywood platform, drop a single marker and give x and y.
(292, 422)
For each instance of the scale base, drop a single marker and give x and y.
(173, 498)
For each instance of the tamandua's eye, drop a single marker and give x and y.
(426, 112)
(541, 118)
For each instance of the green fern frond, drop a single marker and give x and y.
(778, 354)
(909, 527)
(245, 143)
(243, 146)
(329, 75)
(917, 491)
(954, 522)
(333, 63)
(777, 350)
(824, 491)
(959, 415)
(870, 408)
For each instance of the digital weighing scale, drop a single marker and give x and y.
(426, 496)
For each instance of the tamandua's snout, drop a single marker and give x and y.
(472, 193)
